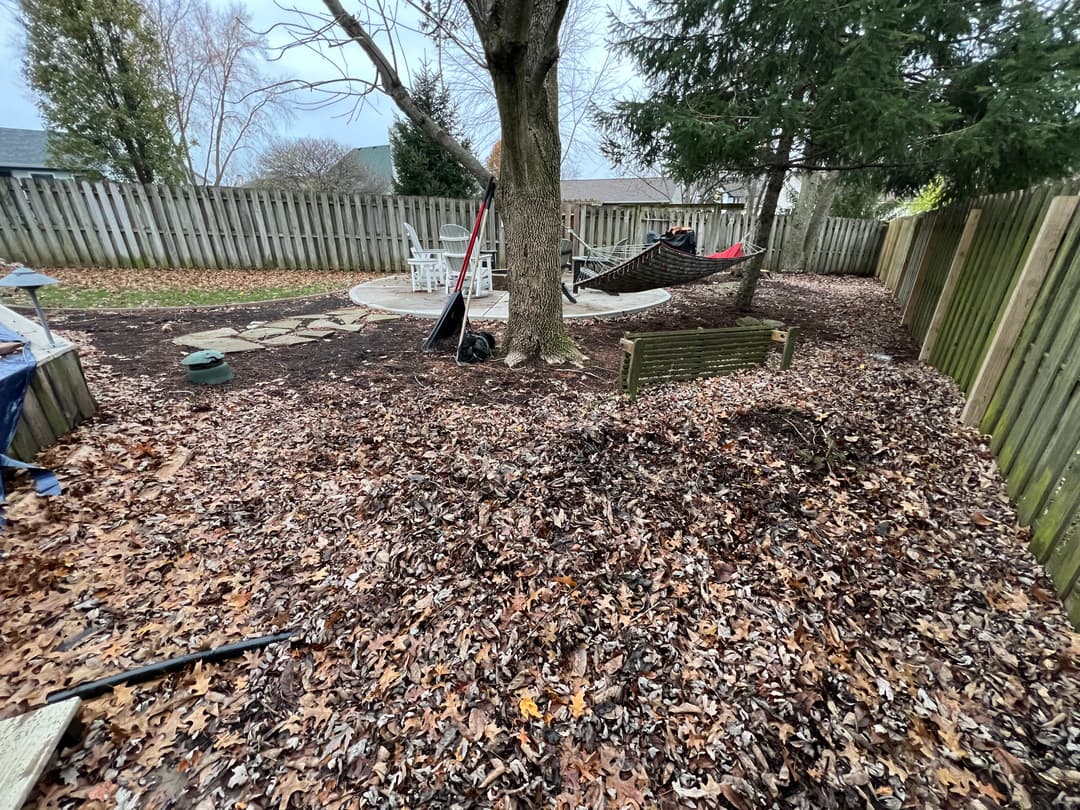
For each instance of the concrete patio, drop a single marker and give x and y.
(394, 294)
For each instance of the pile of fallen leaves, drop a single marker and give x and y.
(800, 589)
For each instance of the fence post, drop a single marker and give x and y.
(1023, 296)
(971, 224)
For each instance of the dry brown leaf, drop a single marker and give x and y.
(202, 678)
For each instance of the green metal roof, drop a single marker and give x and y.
(378, 159)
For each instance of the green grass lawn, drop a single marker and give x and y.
(94, 289)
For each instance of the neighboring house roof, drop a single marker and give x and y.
(635, 190)
(378, 160)
(624, 190)
(24, 149)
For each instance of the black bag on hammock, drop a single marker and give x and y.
(683, 239)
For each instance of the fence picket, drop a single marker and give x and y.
(223, 227)
(166, 199)
(72, 223)
(10, 235)
(57, 247)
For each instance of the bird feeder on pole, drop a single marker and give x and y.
(24, 278)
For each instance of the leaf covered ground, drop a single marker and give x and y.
(517, 589)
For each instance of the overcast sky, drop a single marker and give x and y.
(366, 126)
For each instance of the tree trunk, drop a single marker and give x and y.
(753, 195)
(529, 204)
(793, 258)
(533, 229)
(520, 39)
(774, 186)
(827, 187)
(522, 54)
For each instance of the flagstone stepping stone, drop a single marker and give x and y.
(287, 340)
(229, 345)
(352, 316)
(341, 327)
(284, 323)
(315, 333)
(316, 317)
(233, 344)
(186, 340)
(348, 311)
(385, 316)
(262, 332)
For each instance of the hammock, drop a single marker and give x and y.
(661, 265)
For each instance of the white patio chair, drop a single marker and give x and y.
(426, 267)
(456, 239)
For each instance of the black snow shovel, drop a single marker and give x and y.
(451, 322)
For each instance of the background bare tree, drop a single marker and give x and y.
(315, 164)
(588, 75)
(224, 100)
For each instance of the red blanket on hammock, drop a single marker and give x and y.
(733, 252)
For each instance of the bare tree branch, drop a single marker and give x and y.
(549, 50)
(390, 83)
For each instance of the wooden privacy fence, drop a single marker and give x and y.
(848, 246)
(72, 223)
(991, 292)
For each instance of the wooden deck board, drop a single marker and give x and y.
(27, 743)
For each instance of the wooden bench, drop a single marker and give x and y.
(651, 358)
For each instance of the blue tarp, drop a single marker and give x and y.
(16, 371)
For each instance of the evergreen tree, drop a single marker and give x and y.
(421, 166)
(862, 196)
(95, 65)
(982, 94)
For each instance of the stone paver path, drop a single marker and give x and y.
(290, 331)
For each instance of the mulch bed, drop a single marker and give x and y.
(514, 588)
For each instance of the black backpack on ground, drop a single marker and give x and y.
(476, 347)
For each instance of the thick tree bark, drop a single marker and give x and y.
(826, 193)
(815, 199)
(744, 299)
(530, 208)
(794, 255)
(521, 45)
